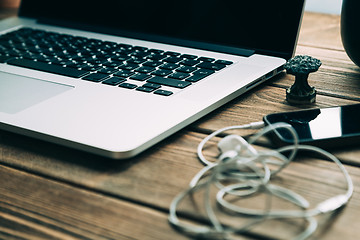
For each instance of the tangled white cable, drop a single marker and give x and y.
(242, 171)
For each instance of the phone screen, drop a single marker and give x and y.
(319, 124)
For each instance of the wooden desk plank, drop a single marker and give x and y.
(32, 207)
(320, 37)
(253, 106)
(321, 30)
(7, 12)
(156, 177)
(153, 178)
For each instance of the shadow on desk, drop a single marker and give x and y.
(18, 148)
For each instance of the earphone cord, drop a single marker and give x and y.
(250, 172)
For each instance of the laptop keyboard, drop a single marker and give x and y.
(106, 62)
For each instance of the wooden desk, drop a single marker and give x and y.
(51, 192)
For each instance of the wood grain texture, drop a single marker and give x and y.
(7, 12)
(320, 37)
(155, 179)
(32, 207)
(321, 30)
(254, 105)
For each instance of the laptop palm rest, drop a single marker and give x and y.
(18, 93)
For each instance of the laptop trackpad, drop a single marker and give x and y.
(18, 93)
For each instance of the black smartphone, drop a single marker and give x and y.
(324, 127)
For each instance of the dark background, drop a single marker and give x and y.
(268, 26)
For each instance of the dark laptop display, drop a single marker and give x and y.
(220, 25)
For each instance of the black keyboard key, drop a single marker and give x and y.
(172, 59)
(136, 60)
(152, 63)
(179, 75)
(155, 51)
(188, 56)
(124, 46)
(169, 53)
(95, 77)
(163, 92)
(225, 62)
(95, 60)
(204, 71)
(61, 62)
(169, 82)
(70, 72)
(195, 78)
(156, 57)
(144, 89)
(169, 66)
(140, 55)
(120, 57)
(91, 67)
(161, 72)
(140, 49)
(107, 70)
(190, 62)
(213, 66)
(140, 77)
(206, 59)
(5, 58)
(113, 81)
(145, 69)
(129, 66)
(112, 64)
(124, 73)
(30, 56)
(128, 85)
(31, 49)
(152, 85)
(17, 53)
(72, 65)
(186, 69)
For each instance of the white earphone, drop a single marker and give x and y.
(242, 171)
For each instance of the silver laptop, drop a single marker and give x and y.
(115, 77)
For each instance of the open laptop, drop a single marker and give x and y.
(114, 77)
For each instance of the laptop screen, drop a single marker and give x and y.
(269, 27)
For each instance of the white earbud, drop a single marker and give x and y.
(241, 171)
(234, 145)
